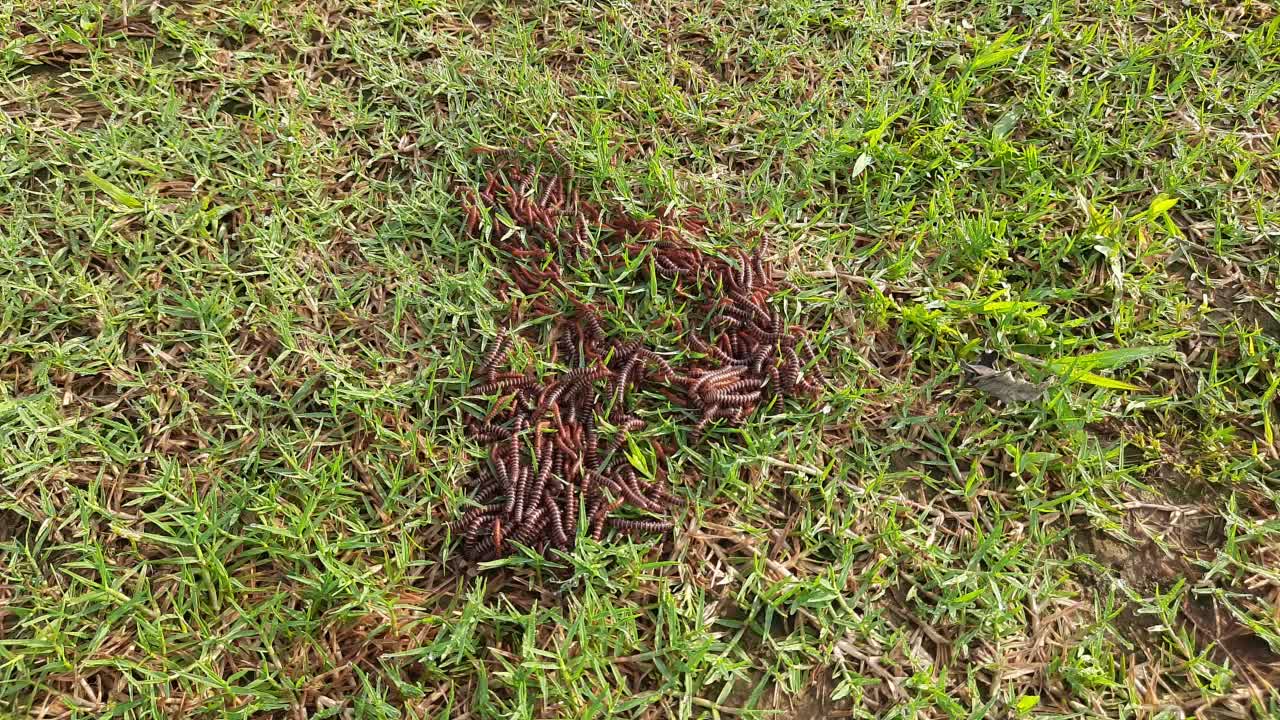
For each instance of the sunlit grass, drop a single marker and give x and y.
(238, 312)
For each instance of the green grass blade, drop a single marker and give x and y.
(1087, 377)
(1107, 359)
(115, 191)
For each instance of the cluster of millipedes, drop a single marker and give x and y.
(547, 463)
(548, 474)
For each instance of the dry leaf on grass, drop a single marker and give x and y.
(1001, 384)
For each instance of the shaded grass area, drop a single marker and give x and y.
(238, 311)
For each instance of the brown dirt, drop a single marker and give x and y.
(1147, 568)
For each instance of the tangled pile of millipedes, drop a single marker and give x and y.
(548, 476)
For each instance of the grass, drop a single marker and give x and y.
(238, 311)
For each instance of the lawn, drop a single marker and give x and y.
(241, 311)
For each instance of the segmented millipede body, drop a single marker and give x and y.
(475, 516)
(570, 508)
(735, 400)
(488, 433)
(557, 524)
(569, 521)
(500, 469)
(618, 384)
(480, 550)
(598, 518)
(649, 526)
(591, 445)
(585, 375)
(533, 526)
(593, 329)
(497, 354)
(568, 350)
(504, 384)
(624, 351)
(664, 368)
(486, 491)
(746, 385)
